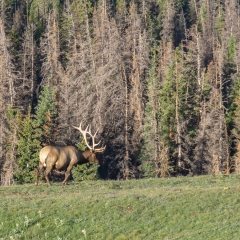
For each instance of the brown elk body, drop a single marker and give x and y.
(64, 158)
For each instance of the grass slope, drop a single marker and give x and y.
(205, 207)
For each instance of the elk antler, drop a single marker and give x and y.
(84, 133)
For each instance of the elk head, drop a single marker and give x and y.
(91, 153)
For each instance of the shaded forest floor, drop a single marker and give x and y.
(204, 207)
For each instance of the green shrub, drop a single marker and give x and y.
(85, 172)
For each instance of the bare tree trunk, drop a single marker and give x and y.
(32, 67)
(126, 158)
(179, 144)
(89, 36)
(228, 166)
(198, 59)
(196, 8)
(7, 138)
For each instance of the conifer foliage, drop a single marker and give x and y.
(34, 131)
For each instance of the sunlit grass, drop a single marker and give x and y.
(204, 207)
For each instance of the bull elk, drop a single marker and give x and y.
(64, 158)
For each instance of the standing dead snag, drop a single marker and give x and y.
(64, 158)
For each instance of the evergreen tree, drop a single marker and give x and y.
(34, 132)
(167, 120)
(150, 150)
(45, 116)
(27, 149)
(233, 119)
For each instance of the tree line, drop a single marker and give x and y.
(159, 78)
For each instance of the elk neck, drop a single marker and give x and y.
(86, 153)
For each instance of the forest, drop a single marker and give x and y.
(158, 78)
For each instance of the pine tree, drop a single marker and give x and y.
(151, 148)
(33, 132)
(167, 120)
(233, 119)
(44, 119)
(27, 150)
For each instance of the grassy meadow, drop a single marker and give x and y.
(204, 207)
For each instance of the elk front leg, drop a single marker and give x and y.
(67, 174)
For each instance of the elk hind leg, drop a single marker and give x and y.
(47, 171)
(38, 171)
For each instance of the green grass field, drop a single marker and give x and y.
(204, 207)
